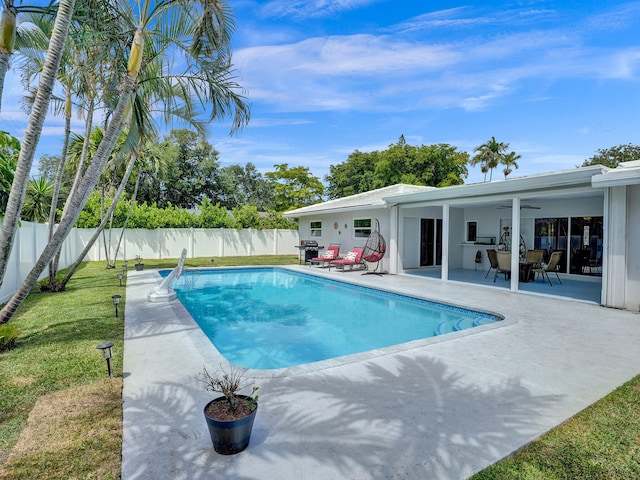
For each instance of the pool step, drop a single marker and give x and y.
(443, 327)
(482, 321)
(462, 323)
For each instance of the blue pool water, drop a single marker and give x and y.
(268, 318)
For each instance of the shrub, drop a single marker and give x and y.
(54, 285)
(8, 337)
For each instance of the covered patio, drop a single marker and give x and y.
(445, 234)
(582, 288)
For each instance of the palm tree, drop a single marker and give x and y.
(33, 131)
(7, 39)
(201, 30)
(510, 160)
(489, 155)
(8, 33)
(38, 200)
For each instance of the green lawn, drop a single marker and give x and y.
(61, 417)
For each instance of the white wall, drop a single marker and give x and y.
(31, 238)
(337, 228)
(632, 286)
(199, 242)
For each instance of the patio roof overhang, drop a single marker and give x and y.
(627, 173)
(576, 182)
(321, 211)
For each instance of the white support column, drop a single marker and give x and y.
(614, 268)
(515, 243)
(445, 242)
(393, 240)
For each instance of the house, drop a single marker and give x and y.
(590, 214)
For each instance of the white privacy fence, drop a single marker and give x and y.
(31, 238)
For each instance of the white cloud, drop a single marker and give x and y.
(311, 8)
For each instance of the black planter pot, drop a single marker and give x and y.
(139, 267)
(230, 436)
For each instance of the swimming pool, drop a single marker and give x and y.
(270, 318)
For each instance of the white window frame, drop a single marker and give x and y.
(362, 231)
(315, 231)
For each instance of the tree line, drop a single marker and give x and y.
(182, 171)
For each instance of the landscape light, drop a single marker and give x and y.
(116, 301)
(120, 278)
(106, 354)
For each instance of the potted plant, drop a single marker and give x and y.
(229, 417)
(139, 265)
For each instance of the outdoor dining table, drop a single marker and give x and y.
(526, 273)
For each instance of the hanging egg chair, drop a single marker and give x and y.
(375, 248)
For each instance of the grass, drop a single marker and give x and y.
(61, 417)
(601, 442)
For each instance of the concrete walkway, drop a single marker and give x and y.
(438, 409)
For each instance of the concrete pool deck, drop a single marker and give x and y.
(442, 409)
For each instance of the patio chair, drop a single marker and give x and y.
(552, 266)
(329, 255)
(374, 249)
(478, 260)
(351, 260)
(493, 260)
(535, 256)
(504, 265)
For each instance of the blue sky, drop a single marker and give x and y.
(557, 80)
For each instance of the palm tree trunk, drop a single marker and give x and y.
(4, 67)
(53, 266)
(126, 220)
(83, 157)
(77, 203)
(7, 40)
(79, 170)
(33, 131)
(108, 215)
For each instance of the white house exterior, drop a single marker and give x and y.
(591, 214)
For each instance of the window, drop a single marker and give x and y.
(472, 231)
(316, 229)
(362, 227)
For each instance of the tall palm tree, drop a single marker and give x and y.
(489, 155)
(510, 162)
(33, 131)
(201, 30)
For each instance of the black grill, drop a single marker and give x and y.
(310, 249)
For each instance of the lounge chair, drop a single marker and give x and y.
(329, 255)
(351, 260)
(552, 266)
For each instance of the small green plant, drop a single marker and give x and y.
(52, 285)
(8, 337)
(229, 383)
